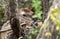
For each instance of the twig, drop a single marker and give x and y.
(43, 25)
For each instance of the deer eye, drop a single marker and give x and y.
(24, 15)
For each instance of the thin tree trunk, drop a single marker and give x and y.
(14, 20)
(45, 5)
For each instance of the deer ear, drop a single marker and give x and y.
(21, 11)
(26, 12)
(30, 7)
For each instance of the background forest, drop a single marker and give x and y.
(29, 19)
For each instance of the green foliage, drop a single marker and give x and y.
(36, 4)
(55, 16)
(33, 33)
(1, 12)
(24, 4)
(50, 1)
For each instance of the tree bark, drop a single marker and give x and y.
(45, 5)
(14, 20)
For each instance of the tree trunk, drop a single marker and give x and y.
(14, 20)
(45, 5)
